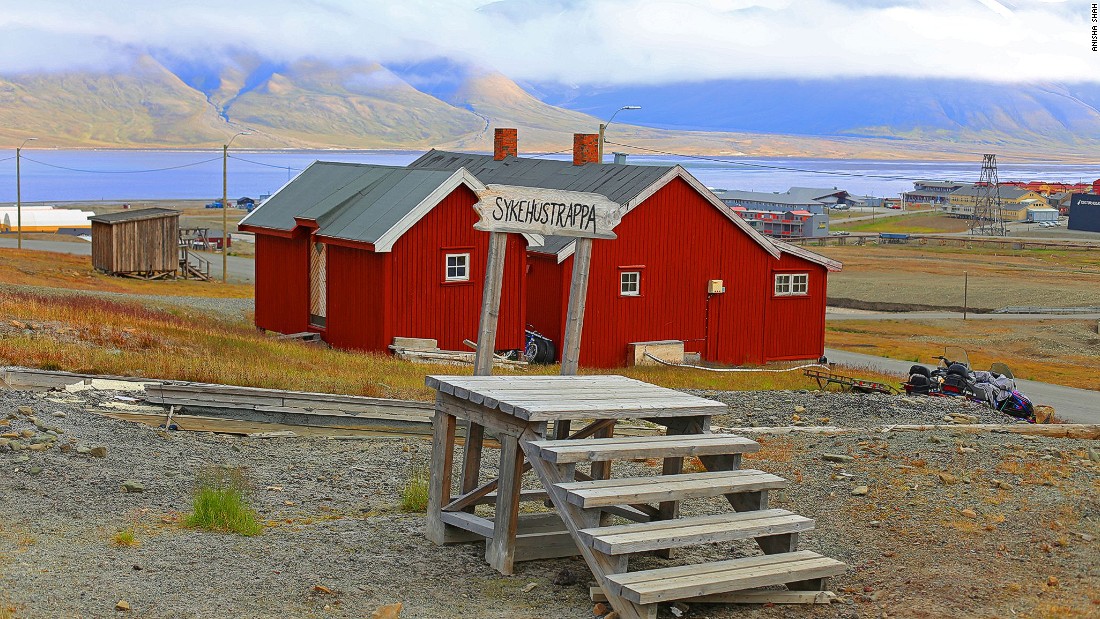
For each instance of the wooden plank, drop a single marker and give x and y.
(662, 534)
(598, 493)
(574, 317)
(468, 522)
(496, 421)
(547, 212)
(653, 586)
(440, 477)
(767, 596)
(490, 304)
(612, 411)
(563, 452)
(575, 519)
(471, 457)
(500, 549)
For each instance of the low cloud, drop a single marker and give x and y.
(577, 41)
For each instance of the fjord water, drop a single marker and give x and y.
(121, 175)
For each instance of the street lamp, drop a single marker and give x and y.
(603, 126)
(225, 206)
(19, 194)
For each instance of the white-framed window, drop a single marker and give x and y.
(790, 284)
(630, 283)
(457, 268)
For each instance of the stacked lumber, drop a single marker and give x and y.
(274, 401)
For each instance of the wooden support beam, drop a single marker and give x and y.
(490, 304)
(574, 320)
(439, 482)
(500, 550)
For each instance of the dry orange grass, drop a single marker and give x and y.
(71, 272)
(81, 334)
(1063, 352)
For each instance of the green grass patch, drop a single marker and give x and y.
(414, 496)
(124, 539)
(220, 503)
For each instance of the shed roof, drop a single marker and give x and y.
(138, 215)
(355, 201)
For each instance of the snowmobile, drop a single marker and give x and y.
(955, 377)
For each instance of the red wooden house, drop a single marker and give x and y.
(684, 267)
(364, 253)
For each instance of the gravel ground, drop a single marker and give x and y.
(960, 525)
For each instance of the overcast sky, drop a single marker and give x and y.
(578, 41)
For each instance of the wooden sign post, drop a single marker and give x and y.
(546, 212)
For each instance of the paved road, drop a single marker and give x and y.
(241, 270)
(1075, 405)
(842, 315)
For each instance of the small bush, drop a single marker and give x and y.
(414, 496)
(219, 503)
(124, 538)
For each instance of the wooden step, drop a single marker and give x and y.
(661, 534)
(677, 583)
(633, 490)
(631, 447)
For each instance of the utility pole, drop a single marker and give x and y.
(225, 206)
(19, 195)
(603, 126)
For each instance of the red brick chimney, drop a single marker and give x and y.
(505, 143)
(586, 148)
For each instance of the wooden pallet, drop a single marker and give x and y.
(583, 506)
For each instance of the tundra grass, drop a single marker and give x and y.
(95, 336)
(1062, 352)
(219, 504)
(42, 268)
(917, 223)
(414, 496)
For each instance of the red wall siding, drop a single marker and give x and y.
(544, 295)
(679, 241)
(356, 293)
(424, 306)
(795, 326)
(282, 283)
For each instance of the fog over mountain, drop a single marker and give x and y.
(759, 77)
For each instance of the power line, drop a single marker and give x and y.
(270, 165)
(7, 159)
(775, 167)
(557, 152)
(59, 167)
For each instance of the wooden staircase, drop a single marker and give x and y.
(586, 506)
(192, 265)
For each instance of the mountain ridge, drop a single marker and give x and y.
(160, 101)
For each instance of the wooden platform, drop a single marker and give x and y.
(520, 411)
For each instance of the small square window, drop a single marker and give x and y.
(630, 283)
(457, 268)
(788, 284)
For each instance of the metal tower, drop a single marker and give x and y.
(988, 219)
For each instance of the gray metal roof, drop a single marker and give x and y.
(353, 201)
(620, 183)
(1010, 193)
(767, 198)
(820, 194)
(144, 213)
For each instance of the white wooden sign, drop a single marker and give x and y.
(549, 212)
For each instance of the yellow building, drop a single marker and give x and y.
(1014, 202)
